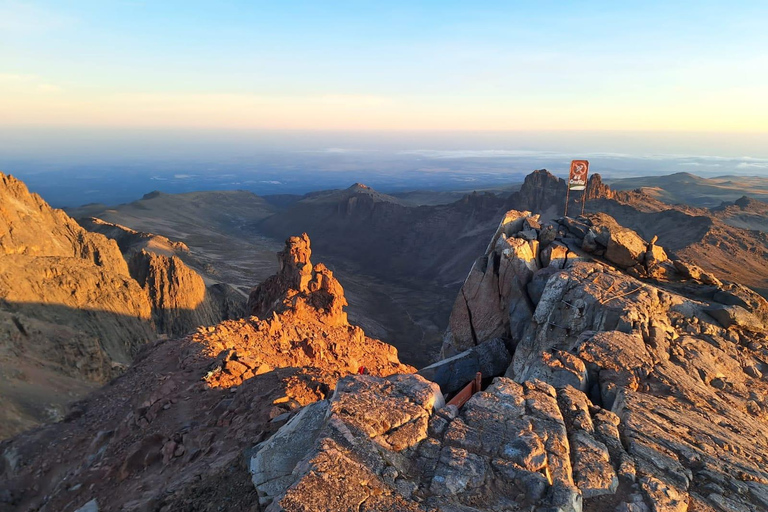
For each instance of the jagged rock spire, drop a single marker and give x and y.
(300, 286)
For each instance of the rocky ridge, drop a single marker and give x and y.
(169, 434)
(131, 241)
(73, 312)
(635, 383)
(70, 313)
(178, 295)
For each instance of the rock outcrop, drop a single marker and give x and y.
(178, 295)
(634, 385)
(658, 354)
(299, 286)
(170, 433)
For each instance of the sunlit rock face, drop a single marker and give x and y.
(74, 314)
(300, 286)
(178, 295)
(70, 314)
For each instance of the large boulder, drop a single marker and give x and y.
(366, 416)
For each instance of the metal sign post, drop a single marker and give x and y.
(577, 180)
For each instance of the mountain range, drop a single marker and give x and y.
(157, 356)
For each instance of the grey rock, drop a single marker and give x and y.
(729, 316)
(273, 463)
(91, 506)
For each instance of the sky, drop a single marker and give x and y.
(650, 66)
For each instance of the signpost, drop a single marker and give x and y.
(577, 180)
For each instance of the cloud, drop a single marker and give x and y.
(752, 165)
(11, 78)
(482, 153)
(19, 18)
(48, 88)
(26, 83)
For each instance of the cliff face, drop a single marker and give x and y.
(72, 313)
(69, 311)
(178, 295)
(170, 433)
(29, 227)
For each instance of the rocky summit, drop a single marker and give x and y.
(615, 375)
(170, 433)
(616, 379)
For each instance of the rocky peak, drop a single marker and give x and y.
(151, 195)
(596, 189)
(30, 227)
(745, 203)
(544, 193)
(178, 295)
(301, 286)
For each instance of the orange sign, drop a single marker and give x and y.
(577, 180)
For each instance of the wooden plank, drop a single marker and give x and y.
(467, 391)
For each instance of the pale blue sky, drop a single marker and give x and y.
(545, 65)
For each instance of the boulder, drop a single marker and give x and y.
(696, 273)
(735, 316)
(625, 248)
(557, 368)
(576, 227)
(554, 255)
(655, 255)
(273, 462)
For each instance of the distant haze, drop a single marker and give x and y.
(70, 167)
(104, 101)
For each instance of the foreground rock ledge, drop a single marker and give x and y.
(637, 383)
